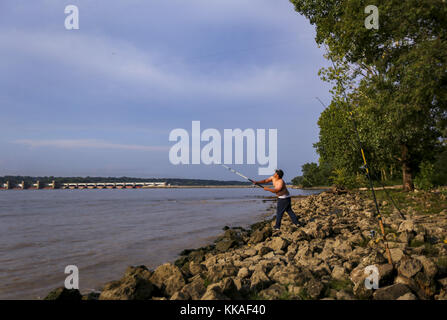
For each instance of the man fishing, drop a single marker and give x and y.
(284, 201)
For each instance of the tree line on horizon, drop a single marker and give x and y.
(390, 84)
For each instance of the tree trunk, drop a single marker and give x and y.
(407, 178)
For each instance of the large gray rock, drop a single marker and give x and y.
(391, 292)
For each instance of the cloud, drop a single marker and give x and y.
(146, 72)
(87, 143)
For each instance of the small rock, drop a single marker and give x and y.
(407, 296)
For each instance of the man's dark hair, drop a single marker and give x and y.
(279, 172)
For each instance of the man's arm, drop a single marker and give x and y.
(265, 180)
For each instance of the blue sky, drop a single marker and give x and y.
(102, 100)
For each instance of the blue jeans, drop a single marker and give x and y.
(284, 205)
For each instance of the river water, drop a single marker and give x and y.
(104, 231)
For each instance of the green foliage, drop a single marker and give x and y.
(394, 80)
(313, 175)
(426, 176)
(343, 179)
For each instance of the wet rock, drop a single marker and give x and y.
(63, 294)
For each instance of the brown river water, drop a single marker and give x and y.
(104, 231)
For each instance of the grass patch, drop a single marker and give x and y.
(416, 243)
(430, 250)
(304, 295)
(340, 285)
(409, 202)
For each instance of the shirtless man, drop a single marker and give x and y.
(284, 201)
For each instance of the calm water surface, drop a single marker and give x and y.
(104, 231)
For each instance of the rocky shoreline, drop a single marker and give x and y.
(325, 258)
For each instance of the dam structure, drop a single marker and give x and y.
(78, 185)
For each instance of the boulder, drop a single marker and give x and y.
(243, 273)
(278, 243)
(214, 292)
(168, 278)
(135, 285)
(430, 268)
(396, 254)
(314, 288)
(391, 292)
(225, 244)
(196, 268)
(274, 292)
(409, 267)
(64, 294)
(219, 271)
(260, 235)
(195, 289)
(259, 280)
(338, 272)
(406, 226)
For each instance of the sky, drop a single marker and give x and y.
(102, 100)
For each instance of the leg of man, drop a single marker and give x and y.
(280, 208)
(291, 213)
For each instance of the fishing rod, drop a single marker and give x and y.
(371, 185)
(241, 175)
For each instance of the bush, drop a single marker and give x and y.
(426, 176)
(343, 179)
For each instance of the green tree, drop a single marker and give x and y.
(393, 79)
